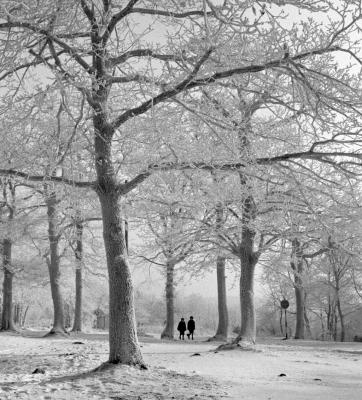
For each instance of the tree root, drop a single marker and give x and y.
(12, 329)
(165, 336)
(244, 346)
(217, 338)
(56, 333)
(110, 365)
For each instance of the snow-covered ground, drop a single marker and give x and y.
(313, 370)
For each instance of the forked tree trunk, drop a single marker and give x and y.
(297, 266)
(168, 332)
(123, 342)
(7, 322)
(54, 265)
(77, 325)
(222, 327)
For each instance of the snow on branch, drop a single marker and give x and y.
(43, 178)
(167, 94)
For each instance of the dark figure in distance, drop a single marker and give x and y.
(181, 327)
(191, 328)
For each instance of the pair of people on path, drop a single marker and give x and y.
(181, 327)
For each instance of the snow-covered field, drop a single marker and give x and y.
(313, 370)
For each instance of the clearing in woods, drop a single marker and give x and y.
(280, 370)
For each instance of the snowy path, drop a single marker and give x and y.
(314, 371)
(331, 371)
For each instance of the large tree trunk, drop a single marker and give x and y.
(123, 342)
(222, 327)
(168, 332)
(77, 325)
(248, 325)
(299, 301)
(248, 259)
(54, 264)
(297, 266)
(7, 322)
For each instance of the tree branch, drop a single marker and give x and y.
(38, 61)
(67, 49)
(163, 13)
(116, 18)
(145, 53)
(190, 82)
(44, 178)
(164, 95)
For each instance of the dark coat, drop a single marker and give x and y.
(191, 325)
(181, 326)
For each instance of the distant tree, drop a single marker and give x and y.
(7, 207)
(169, 233)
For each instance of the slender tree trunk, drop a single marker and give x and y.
(223, 322)
(341, 320)
(7, 322)
(168, 332)
(337, 277)
(123, 342)
(23, 319)
(222, 327)
(281, 322)
(297, 266)
(77, 325)
(322, 327)
(306, 319)
(54, 265)
(335, 332)
(306, 322)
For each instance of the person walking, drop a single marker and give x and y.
(191, 328)
(181, 327)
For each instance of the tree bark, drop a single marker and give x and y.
(248, 324)
(7, 322)
(23, 319)
(77, 325)
(168, 332)
(54, 264)
(248, 259)
(306, 320)
(299, 300)
(341, 320)
(223, 318)
(297, 267)
(123, 342)
(222, 327)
